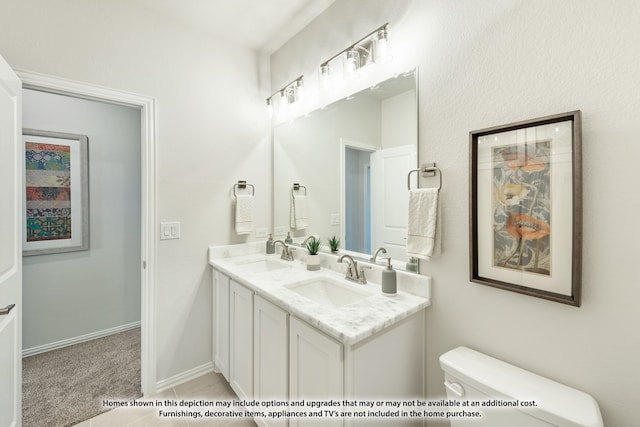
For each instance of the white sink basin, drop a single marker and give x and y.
(262, 265)
(329, 292)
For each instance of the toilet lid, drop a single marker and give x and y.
(556, 403)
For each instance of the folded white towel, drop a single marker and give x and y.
(298, 219)
(424, 234)
(244, 214)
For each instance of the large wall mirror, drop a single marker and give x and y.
(351, 160)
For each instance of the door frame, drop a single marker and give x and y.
(147, 105)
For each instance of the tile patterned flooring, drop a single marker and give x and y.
(211, 386)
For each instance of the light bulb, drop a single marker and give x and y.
(325, 77)
(269, 108)
(382, 48)
(351, 64)
(282, 104)
(299, 90)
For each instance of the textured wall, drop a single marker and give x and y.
(486, 63)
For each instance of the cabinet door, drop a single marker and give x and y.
(315, 369)
(241, 340)
(221, 323)
(271, 358)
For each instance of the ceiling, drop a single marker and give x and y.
(262, 25)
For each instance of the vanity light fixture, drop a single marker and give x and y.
(325, 77)
(283, 102)
(300, 89)
(352, 63)
(269, 107)
(382, 52)
(374, 47)
(290, 93)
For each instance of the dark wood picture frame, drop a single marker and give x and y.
(525, 207)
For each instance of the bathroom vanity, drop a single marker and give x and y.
(284, 333)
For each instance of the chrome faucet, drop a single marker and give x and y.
(353, 272)
(286, 251)
(375, 255)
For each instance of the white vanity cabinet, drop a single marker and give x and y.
(269, 352)
(270, 359)
(315, 369)
(386, 366)
(241, 340)
(233, 333)
(221, 323)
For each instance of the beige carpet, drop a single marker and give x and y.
(66, 386)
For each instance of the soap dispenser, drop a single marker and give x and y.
(389, 284)
(288, 240)
(271, 248)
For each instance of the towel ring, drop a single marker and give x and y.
(243, 185)
(297, 187)
(426, 168)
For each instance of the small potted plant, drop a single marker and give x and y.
(334, 244)
(313, 260)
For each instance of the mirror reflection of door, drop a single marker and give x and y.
(390, 199)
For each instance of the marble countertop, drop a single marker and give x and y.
(350, 323)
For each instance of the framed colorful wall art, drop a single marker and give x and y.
(56, 192)
(526, 207)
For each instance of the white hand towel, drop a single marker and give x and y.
(244, 214)
(298, 212)
(424, 234)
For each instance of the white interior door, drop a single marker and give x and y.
(390, 198)
(10, 248)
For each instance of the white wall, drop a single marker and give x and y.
(486, 63)
(77, 293)
(398, 128)
(212, 130)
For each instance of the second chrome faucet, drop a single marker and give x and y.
(353, 272)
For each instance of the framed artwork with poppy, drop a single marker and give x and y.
(56, 192)
(526, 207)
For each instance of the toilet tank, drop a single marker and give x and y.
(475, 377)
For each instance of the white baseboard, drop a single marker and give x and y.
(76, 340)
(184, 377)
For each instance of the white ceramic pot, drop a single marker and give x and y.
(313, 262)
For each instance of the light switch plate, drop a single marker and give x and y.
(334, 219)
(169, 230)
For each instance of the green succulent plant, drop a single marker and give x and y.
(334, 243)
(313, 246)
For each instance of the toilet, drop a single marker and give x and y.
(473, 379)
